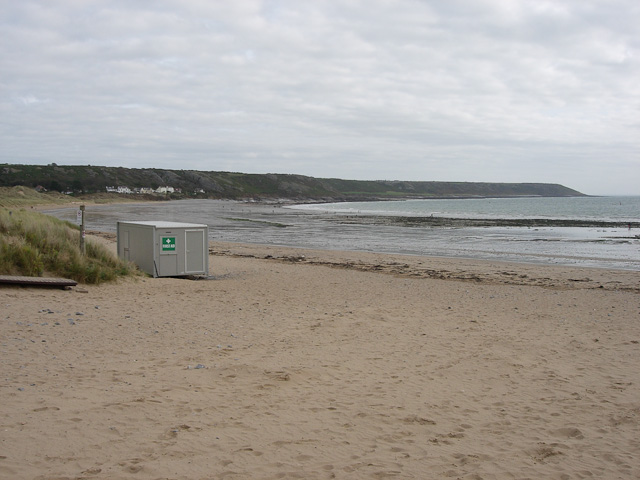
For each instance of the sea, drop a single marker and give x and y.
(612, 241)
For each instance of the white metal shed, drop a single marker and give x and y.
(165, 249)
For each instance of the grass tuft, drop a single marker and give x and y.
(35, 244)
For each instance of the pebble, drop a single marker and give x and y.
(197, 367)
(71, 322)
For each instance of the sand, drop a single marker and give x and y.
(291, 363)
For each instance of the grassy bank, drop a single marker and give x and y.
(15, 197)
(35, 244)
(25, 197)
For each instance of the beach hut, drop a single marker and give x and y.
(165, 249)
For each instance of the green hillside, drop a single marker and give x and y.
(89, 179)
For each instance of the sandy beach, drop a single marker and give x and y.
(293, 363)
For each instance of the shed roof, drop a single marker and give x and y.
(162, 224)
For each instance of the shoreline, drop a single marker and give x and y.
(442, 268)
(423, 266)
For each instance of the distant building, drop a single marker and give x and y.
(120, 189)
(143, 190)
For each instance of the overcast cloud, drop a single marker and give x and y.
(451, 90)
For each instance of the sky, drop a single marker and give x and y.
(431, 90)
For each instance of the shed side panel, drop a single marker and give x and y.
(141, 248)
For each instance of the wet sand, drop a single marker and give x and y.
(293, 363)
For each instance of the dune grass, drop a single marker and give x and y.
(17, 197)
(26, 197)
(35, 244)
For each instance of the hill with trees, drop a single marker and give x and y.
(89, 179)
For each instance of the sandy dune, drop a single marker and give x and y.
(303, 364)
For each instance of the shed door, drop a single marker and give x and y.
(195, 251)
(168, 258)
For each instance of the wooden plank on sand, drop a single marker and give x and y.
(37, 281)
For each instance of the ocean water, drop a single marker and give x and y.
(328, 226)
(573, 208)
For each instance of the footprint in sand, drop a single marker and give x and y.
(42, 409)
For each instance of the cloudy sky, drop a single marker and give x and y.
(450, 90)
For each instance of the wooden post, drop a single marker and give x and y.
(82, 246)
